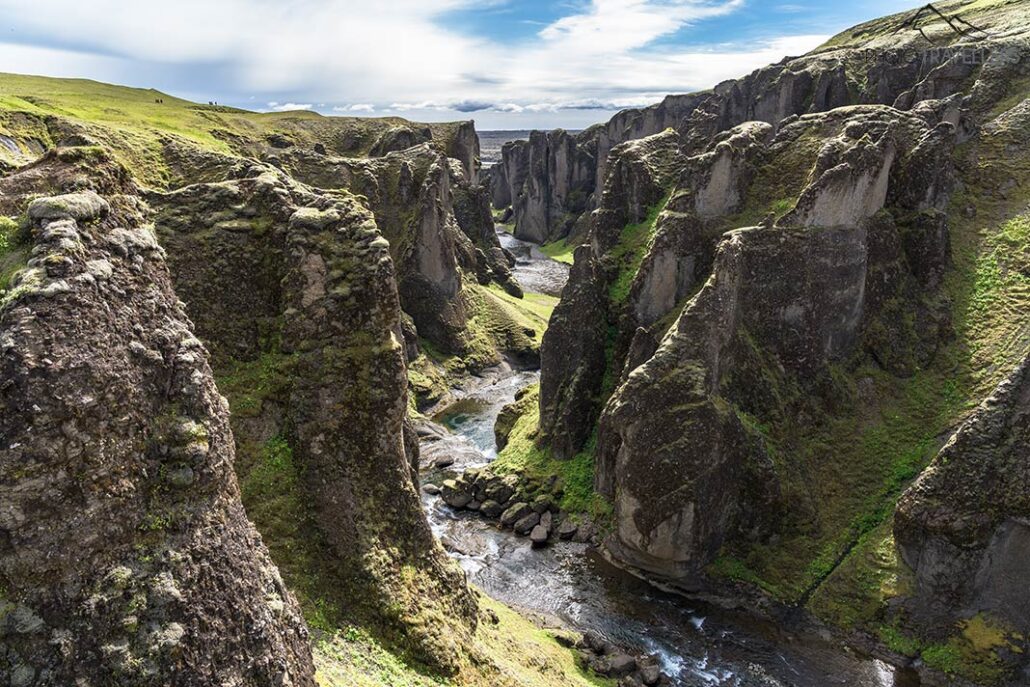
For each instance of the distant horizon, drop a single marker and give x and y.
(510, 66)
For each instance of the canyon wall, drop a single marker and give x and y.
(125, 553)
(769, 331)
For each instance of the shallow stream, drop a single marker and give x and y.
(698, 644)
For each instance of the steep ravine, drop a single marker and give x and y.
(572, 585)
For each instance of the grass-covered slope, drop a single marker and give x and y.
(989, 288)
(138, 124)
(510, 651)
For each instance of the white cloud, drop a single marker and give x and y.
(365, 57)
(356, 107)
(288, 107)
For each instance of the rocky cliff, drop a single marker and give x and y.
(771, 325)
(125, 553)
(439, 226)
(301, 283)
(293, 289)
(963, 526)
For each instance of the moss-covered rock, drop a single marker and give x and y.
(302, 284)
(126, 556)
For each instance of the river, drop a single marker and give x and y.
(698, 644)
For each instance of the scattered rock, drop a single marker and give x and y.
(539, 535)
(527, 523)
(584, 533)
(567, 529)
(454, 495)
(515, 513)
(491, 508)
(431, 489)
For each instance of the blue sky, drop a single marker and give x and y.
(506, 63)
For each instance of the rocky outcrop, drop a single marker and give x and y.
(399, 138)
(547, 180)
(964, 526)
(438, 224)
(304, 282)
(125, 553)
(690, 409)
(573, 355)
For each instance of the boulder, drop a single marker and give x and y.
(501, 489)
(650, 675)
(538, 535)
(584, 533)
(567, 529)
(454, 494)
(527, 523)
(515, 513)
(491, 509)
(542, 503)
(620, 665)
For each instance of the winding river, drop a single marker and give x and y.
(569, 583)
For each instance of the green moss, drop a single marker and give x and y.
(897, 641)
(629, 252)
(857, 591)
(427, 382)
(275, 501)
(559, 250)
(731, 568)
(959, 657)
(508, 651)
(522, 456)
(13, 250)
(498, 323)
(248, 384)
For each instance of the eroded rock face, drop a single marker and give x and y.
(778, 304)
(438, 224)
(547, 180)
(964, 526)
(125, 554)
(315, 290)
(572, 353)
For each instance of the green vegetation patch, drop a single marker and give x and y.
(629, 252)
(559, 250)
(522, 456)
(972, 651)
(270, 482)
(508, 651)
(137, 123)
(14, 251)
(498, 323)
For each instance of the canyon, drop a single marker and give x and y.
(730, 390)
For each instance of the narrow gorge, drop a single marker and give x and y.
(728, 390)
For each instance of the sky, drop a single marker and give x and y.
(508, 64)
